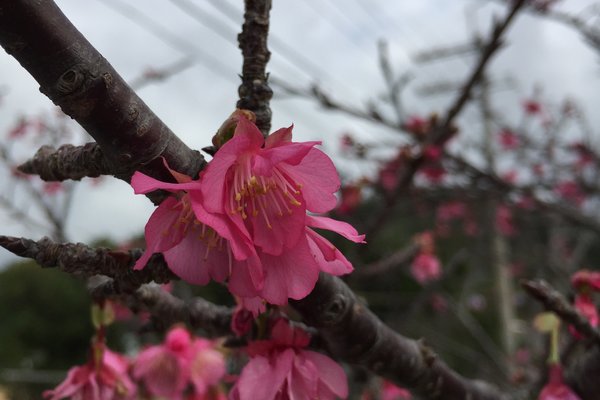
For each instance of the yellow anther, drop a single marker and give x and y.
(238, 196)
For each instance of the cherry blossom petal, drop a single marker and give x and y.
(274, 233)
(189, 260)
(340, 227)
(283, 277)
(327, 256)
(331, 374)
(292, 153)
(319, 179)
(262, 378)
(160, 235)
(143, 184)
(279, 137)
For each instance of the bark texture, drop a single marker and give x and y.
(254, 91)
(77, 78)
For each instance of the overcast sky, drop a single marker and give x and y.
(332, 42)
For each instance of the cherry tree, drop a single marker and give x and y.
(252, 219)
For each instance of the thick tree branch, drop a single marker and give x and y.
(79, 259)
(79, 80)
(254, 91)
(355, 335)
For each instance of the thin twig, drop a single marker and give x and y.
(554, 301)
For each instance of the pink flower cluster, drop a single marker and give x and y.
(282, 369)
(104, 377)
(181, 361)
(181, 368)
(245, 219)
(426, 266)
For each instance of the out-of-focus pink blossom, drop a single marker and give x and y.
(556, 388)
(52, 188)
(351, 198)
(510, 176)
(585, 156)
(165, 368)
(433, 153)
(532, 107)
(526, 202)
(438, 303)
(571, 192)
(426, 268)
(280, 369)
(389, 391)
(471, 227)
(104, 379)
(508, 139)
(434, 173)
(504, 221)
(181, 361)
(19, 129)
(584, 279)
(347, 142)
(451, 210)
(416, 125)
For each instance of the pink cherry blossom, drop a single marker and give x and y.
(508, 139)
(393, 392)
(351, 198)
(169, 368)
(165, 368)
(52, 188)
(265, 186)
(586, 278)
(532, 107)
(193, 250)
(425, 268)
(281, 369)
(451, 210)
(434, 172)
(416, 125)
(20, 128)
(556, 389)
(106, 379)
(433, 153)
(244, 221)
(504, 221)
(571, 192)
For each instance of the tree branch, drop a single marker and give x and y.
(79, 259)
(87, 88)
(168, 310)
(68, 162)
(554, 301)
(254, 91)
(355, 335)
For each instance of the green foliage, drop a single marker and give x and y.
(45, 318)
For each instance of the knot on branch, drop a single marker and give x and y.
(70, 81)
